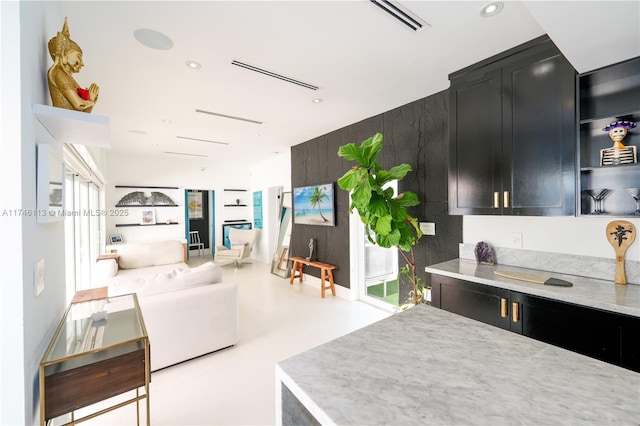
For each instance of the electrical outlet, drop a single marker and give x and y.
(428, 228)
(515, 240)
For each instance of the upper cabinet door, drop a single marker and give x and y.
(512, 134)
(475, 118)
(539, 135)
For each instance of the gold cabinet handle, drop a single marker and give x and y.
(503, 308)
(515, 312)
(496, 200)
(505, 199)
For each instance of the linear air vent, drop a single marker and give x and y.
(184, 153)
(202, 140)
(274, 75)
(228, 116)
(402, 14)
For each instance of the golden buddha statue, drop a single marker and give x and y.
(67, 59)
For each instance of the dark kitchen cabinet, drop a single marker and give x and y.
(607, 336)
(606, 95)
(476, 301)
(512, 134)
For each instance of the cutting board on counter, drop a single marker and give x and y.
(534, 278)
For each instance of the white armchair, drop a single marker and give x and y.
(241, 245)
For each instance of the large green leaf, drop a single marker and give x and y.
(370, 149)
(383, 225)
(397, 210)
(407, 199)
(399, 172)
(361, 194)
(378, 205)
(351, 179)
(392, 239)
(351, 152)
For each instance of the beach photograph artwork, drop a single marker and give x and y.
(314, 205)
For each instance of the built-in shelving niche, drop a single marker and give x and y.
(606, 95)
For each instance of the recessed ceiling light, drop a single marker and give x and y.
(166, 121)
(317, 101)
(153, 39)
(193, 65)
(138, 132)
(491, 9)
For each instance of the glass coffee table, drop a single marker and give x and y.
(100, 350)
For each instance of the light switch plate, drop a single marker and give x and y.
(38, 277)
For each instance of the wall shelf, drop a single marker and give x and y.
(147, 187)
(120, 225)
(70, 126)
(235, 205)
(148, 206)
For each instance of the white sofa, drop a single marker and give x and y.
(188, 312)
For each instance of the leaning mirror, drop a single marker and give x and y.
(280, 265)
(50, 185)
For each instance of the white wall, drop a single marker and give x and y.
(12, 383)
(169, 171)
(583, 236)
(28, 322)
(270, 173)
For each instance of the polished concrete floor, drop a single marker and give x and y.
(236, 386)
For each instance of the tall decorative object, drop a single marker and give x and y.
(618, 153)
(312, 245)
(620, 234)
(67, 59)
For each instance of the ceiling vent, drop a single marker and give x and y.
(185, 153)
(402, 14)
(228, 116)
(274, 75)
(201, 140)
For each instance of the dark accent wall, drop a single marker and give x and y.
(417, 134)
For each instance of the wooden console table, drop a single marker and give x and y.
(326, 274)
(100, 350)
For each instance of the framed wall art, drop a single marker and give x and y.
(148, 217)
(314, 205)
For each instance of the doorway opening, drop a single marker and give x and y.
(199, 210)
(375, 280)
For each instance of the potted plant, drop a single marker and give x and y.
(387, 222)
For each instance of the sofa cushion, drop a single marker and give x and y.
(178, 279)
(144, 255)
(104, 269)
(207, 273)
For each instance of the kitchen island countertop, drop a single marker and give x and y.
(428, 366)
(594, 293)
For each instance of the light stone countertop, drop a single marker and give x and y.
(600, 294)
(429, 366)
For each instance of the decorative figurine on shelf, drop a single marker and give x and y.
(67, 59)
(618, 153)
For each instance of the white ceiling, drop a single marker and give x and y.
(363, 61)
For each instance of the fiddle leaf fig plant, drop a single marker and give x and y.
(384, 213)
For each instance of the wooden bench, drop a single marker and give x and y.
(326, 274)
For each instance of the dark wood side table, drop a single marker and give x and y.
(326, 274)
(100, 350)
